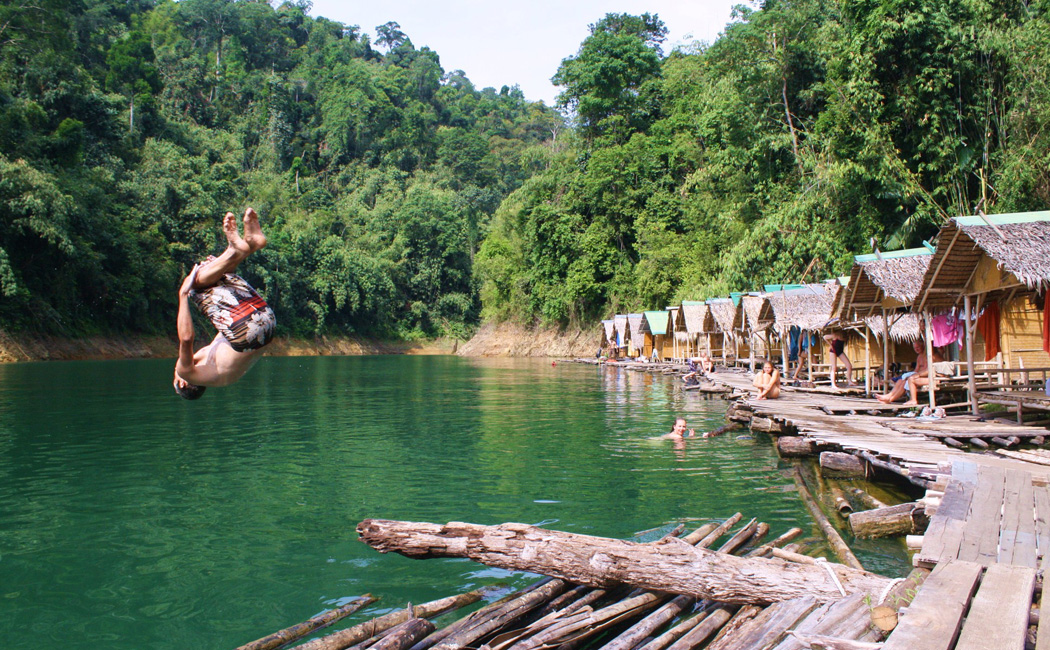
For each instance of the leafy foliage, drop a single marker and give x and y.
(128, 128)
(806, 129)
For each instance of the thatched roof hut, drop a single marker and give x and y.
(657, 322)
(807, 307)
(636, 323)
(728, 316)
(609, 329)
(697, 317)
(623, 331)
(758, 311)
(883, 280)
(904, 327)
(996, 255)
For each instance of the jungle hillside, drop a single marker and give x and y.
(401, 201)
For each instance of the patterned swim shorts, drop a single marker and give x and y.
(237, 312)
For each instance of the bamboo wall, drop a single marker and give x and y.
(1020, 333)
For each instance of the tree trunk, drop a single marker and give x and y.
(903, 519)
(842, 464)
(669, 565)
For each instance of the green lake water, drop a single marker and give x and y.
(132, 519)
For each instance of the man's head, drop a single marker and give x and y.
(186, 390)
(919, 347)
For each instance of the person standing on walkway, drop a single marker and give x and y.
(837, 341)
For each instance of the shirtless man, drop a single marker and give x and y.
(908, 379)
(244, 321)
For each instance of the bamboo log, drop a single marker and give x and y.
(796, 446)
(363, 631)
(404, 635)
(724, 640)
(641, 630)
(977, 442)
(952, 442)
(469, 634)
(766, 548)
(700, 633)
(669, 565)
(675, 633)
(883, 522)
(838, 545)
(839, 498)
(867, 499)
(767, 425)
(298, 631)
(478, 617)
(842, 464)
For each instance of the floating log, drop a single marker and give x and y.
(669, 565)
(838, 545)
(1005, 442)
(725, 640)
(842, 464)
(767, 425)
(952, 442)
(903, 519)
(838, 497)
(725, 428)
(298, 631)
(977, 442)
(469, 634)
(796, 446)
(404, 635)
(700, 633)
(867, 499)
(368, 629)
(1038, 440)
(675, 633)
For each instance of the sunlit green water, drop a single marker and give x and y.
(132, 519)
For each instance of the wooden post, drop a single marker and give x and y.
(809, 353)
(867, 361)
(784, 354)
(971, 383)
(885, 352)
(931, 375)
(751, 349)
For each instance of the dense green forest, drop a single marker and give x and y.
(402, 201)
(128, 127)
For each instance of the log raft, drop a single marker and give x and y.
(669, 565)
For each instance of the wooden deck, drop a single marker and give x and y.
(987, 540)
(912, 447)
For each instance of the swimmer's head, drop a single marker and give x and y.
(679, 426)
(186, 390)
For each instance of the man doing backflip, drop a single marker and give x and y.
(244, 321)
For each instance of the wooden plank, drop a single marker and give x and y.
(1042, 524)
(1042, 636)
(980, 540)
(998, 616)
(933, 619)
(848, 618)
(945, 531)
(770, 626)
(1017, 530)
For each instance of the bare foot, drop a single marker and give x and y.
(883, 398)
(253, 233)
(911, 403)
(237, 243)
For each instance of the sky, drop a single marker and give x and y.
(506, 43)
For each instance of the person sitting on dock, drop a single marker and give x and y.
(679, 431)
(907, 380)
(838, 353)
(768, 381)
(244, 321)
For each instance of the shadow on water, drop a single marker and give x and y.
(132, 519)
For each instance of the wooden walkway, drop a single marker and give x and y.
(910, 447)
(987, 540)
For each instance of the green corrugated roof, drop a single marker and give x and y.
(686, 303)
(1001, 219)
(770, 288)
(735, 297)
(889, 255)
(657, 321)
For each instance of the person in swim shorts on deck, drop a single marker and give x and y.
(837, 341)
(244, 321)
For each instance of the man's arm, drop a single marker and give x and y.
(184, 325)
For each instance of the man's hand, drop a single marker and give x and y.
(187, 283)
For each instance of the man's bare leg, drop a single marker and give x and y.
(253, 233)
(238, 249)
